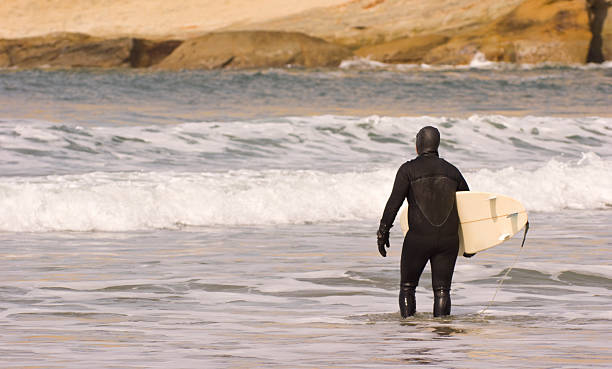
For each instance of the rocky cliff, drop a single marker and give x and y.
(76, 50)
(536, 31)
(231, 50)
(255, 49)
(206, 34)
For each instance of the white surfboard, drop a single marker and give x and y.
(486, 220)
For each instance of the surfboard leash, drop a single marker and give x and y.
(503, 278)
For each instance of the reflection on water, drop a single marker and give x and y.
(448, 331)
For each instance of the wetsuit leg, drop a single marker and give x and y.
(442, 267)
(415, 254)
(407, 299)
(442, 302)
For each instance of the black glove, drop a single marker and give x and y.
(465, 254)
(382, 238)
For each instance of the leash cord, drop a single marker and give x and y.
(501, 282)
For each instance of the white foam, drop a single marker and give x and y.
(604, 65)
(557, 185)
(479, 61)
(131, 201)
(318, 142)
(368, 64)
(150, 200)
(363, 63)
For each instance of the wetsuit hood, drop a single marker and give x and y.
(427, 141)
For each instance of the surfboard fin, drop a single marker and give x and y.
(525, 234)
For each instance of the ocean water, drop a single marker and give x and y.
(227, 219)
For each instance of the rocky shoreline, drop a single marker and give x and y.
(229, 50)
(76, 50)
(536, 31)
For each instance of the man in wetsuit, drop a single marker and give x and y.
(429, 183)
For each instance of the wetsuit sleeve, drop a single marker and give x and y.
(400, 190)
(462, 184)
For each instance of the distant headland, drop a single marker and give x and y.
(237, 34)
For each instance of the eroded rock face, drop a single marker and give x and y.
(76, 50)
(536, 31)
(358, 23)
(65, 50)
(5, 62)
(146, 53)
(408, 50)
(255, 49)
(248, 49)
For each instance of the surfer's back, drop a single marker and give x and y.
(433, 183)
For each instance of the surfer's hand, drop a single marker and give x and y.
(465, 254)
(382, 238)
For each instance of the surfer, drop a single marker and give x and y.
(429, 184)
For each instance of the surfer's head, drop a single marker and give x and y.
(427, 140)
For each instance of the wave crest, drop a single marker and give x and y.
(150, 200)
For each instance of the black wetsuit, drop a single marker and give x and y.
(429, 183)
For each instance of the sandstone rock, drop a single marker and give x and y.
(606, 34)
(403, 50)
(5, 62)
(536, 31)
(254, 49)
(399, 31)
(66, 50)
(146, 53)
(358, 23)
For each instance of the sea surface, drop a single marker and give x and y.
(227, 219)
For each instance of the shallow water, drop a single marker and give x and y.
(300, 296)
(227, 219)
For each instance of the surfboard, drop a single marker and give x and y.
(486, 220)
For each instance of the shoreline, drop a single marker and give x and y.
(355, 63)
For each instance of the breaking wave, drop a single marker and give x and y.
(125, 201)
(329, 143)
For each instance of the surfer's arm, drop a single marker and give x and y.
(398, 194)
